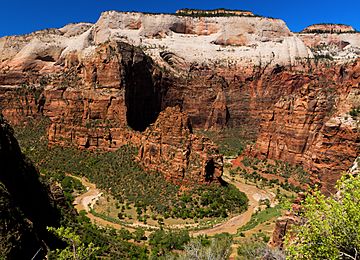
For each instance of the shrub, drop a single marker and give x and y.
(331, 224)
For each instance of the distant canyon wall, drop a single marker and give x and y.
(101, 91)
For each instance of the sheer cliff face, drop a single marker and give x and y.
(169, 146)
(25, 203)
(314, 126)
(243, 40)
(90, 98)
(252, 72)
(246, 41)
(117, 87)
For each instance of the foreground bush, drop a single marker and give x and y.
(331, 228)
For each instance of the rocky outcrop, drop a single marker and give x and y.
(282, 227)
(312, 125)
(27, 206)
(169, 146)
(355, 168)
(284, 224)
(245, 40)
(329, 28)
(215, 12)
(332, 42)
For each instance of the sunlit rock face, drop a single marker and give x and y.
(244, 40)
(329, 28)
(102, 85)
(169, 146)
(332, 41)
(314, 126)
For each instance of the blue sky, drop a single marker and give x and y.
(20, 16)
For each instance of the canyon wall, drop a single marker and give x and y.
(332, 41)
(169, 146)
(107, 99)
(103, 85)
(27, 205)
(313, 126)
(93, 100)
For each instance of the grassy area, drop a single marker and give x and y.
(136, 194)
(262, 217)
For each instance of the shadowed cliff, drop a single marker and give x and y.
(25, 203)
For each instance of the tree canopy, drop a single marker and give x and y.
(331, 228)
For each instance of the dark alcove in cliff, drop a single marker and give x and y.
(142, 94)
(209, 170)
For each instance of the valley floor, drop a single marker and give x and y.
(87, 200)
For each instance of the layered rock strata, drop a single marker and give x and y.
(329, 28)
(332, 41)
(313, 125)
(97, 89)
(91, 100)
(169, 146)
(215, 12)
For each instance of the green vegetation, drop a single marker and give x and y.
(331, 226)
(355, 112)
(261, 217)
(113, 244)
(220, 12)
(120, 175)
(231, 141)
(258, 250)
(326, 56)
(216, 248)
(92, 242)
(163, 242)
(76, 249)
(255, 170)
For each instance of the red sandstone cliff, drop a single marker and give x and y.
(169, 146)
(90, 100)
(96, 91)
(107, 99)
(312, 125)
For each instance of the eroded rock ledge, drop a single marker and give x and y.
(329, 28)
(170, 146)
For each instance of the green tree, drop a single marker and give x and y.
(163, 241)
(331, 228)
(76, 249)
(139, 234)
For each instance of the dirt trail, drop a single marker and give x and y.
(88, 199)
(231, 226)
